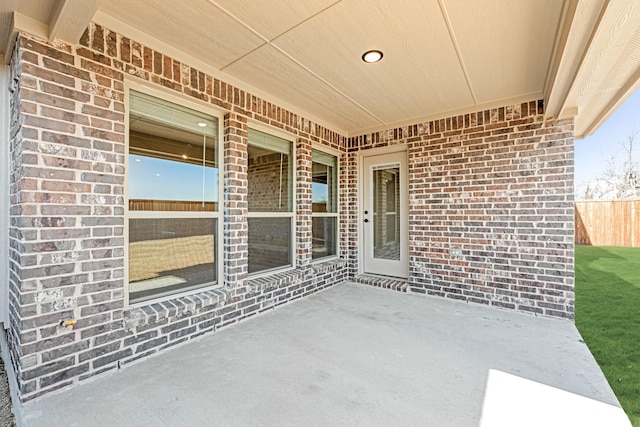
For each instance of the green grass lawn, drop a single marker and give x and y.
(608, 317)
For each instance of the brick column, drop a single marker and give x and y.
(66, 214)
(235, 206)
(303, 203)
(349, 181)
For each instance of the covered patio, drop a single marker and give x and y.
(356, 355)
(169, 172)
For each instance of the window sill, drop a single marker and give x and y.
(328, 265)
(183, 306)
(177, 307)
(274, 281)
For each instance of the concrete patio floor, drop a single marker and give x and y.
(355, 355)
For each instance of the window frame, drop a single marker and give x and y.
(217, 215)
(265, 214)
(332, 152)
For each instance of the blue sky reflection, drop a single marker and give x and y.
(319, 192)
(160, 179)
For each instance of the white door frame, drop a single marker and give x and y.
(404, 204)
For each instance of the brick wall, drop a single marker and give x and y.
(67, 212)
(303, 203)
(348, 208)
(236, 207)
(67, 217)
(498, 185)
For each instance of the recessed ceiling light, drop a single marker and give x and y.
(202, 124)
(372, 56)
(184, 156)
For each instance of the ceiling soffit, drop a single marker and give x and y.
(513, 54)
(441, 57)
(420, 71)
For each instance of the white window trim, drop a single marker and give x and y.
(292, 214)
(337, 154)
(149, 89)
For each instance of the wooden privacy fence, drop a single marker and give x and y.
(608, 223)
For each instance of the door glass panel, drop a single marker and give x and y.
(386, 212)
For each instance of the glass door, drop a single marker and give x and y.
(384, 215)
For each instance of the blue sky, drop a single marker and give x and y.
(159, 179)
(319, 192)
(592, 152)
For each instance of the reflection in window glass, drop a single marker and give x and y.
(172, 196)
(324, 196)
(386, 215)
(324, 236)
(269, 243)
(269, 173)
(170, 255)
(270, 197)
(157, 180)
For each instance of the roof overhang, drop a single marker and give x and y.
(442, 57)
(596, 62)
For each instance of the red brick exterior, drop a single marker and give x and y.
(235, 200)
(67, 211)
(496, 184)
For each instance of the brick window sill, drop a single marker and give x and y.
(187, 305)
(286, 278)
(321, 267)
(174, 308)
(274, 281)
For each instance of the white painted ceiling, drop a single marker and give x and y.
(441, 57)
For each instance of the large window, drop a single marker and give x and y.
(324, 192)
(173, 198)
(270, 176)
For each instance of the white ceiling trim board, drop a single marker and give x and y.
(454, 41)
(609, 109)
(257, 33)
(290, 57)
(57, 19)
(580, 35)
(551, 84)
(239, 21)
(245, 25)
(20, 22)
(70, 18)
(600, 54)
